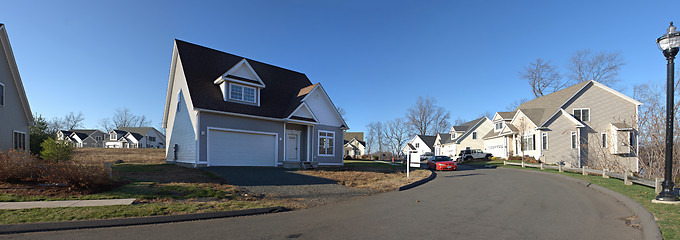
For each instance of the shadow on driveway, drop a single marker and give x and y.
(265, 176)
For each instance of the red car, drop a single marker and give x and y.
(441, 163)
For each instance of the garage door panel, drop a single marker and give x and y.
(232, 148)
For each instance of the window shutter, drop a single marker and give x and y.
(533, 142)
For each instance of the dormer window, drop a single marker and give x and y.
(113, 136)
(499, 126)
(241, 93)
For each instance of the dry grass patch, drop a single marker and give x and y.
(127, 155)
(379, 179)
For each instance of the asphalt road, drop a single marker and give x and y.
(466, 204)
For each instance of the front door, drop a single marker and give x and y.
(292, 147)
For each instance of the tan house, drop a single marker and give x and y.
(468, 135)
(354, 145)
(586, 124)
(15, 112)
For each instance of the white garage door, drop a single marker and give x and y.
(235, 148)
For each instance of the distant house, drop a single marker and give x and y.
(421, 143)
(15, 112)
(585, 124)
(146, 137)
(226, 110)
(354, 145)
(83, 137)
(135, 137)
(464, 136)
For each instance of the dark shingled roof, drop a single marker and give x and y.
(429, 140)
(81, 135)
(358, 135)
(203, 65)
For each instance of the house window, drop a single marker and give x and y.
(573, 140)
(582, 114)
(326, 143)
(98, 138)
(529, 143)
(499, 125)
(604, 140)
(474, 135)
(2, 95)
(19, 141)
(113, 136)
(544, 141)
(241, 93)
(417, 145)
(152, 139)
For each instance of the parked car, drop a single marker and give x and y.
(426, 156)
(469, 154)
(441, 163)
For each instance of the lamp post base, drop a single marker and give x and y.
(666, 202)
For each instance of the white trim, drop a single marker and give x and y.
(319, 143)
(318, 85)
(234, 68)
(297, 134)
(545, 141)
(228, 79)
(309, 144)
(25, 136)
(239, 114)
(198, 140)
(243, 94)
(207, 146)
(171, 83)
(14, 70)
(308, 110)
(568, 116)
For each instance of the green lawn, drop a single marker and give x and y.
(668, 216)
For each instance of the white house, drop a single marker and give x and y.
(465, 136)
(420, 143)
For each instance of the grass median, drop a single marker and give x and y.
(667, 216)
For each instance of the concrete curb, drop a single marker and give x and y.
(101, 223)
(419, 182)
(650, 229)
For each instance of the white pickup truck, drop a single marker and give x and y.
(467, 155)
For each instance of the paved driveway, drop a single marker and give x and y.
(465, 204)
(287, 185)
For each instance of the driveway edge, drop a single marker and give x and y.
(432, 176)
(101, 223)
(650, 229)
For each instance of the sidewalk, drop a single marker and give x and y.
(73, 203)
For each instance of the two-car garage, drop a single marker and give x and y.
(231, 147)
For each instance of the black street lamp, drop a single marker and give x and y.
(669, 43)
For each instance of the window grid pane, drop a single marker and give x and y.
(236, 92)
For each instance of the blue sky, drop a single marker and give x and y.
(374, 58)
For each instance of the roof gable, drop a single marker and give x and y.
(14, 71)
(428, 140)
(242, 73)
(321, 106)
(476, 123)
(202, 65)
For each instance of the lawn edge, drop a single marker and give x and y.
(432, 176)
(118, 222)
(650, 229)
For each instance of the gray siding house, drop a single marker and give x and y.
(15, 112)
(588, 124)
(226, 110)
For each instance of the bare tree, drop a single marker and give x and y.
(342, 113)
(459, 121)
(55, 125)
(652, 130)
(603, 67)
(486, 114)
(514, 105)
(543, 77)
(426, 117)
(73, 121)
(397, 133)
(123, 117)
(522, 126)
(377, 131)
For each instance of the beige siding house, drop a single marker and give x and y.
(586, 124)
(15, 112)
(468, 135)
